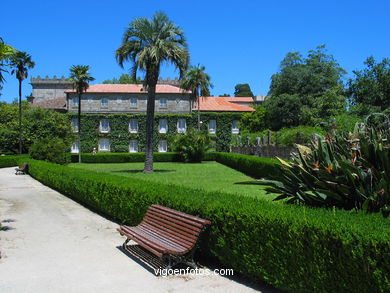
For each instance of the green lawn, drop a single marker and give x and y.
(211, 176)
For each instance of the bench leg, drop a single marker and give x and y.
(124, 245)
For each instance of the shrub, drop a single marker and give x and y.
(256, 167)
(191, 146)
(292, 247)
(11, 161)
(297, 135)
(52, 150)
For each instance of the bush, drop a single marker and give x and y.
(256, 167)
(297, 135)
(191, 146)
(52, 150)
(291, 247)
(11, 161)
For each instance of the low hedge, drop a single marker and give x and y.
(10, 161)
(294, 248)
(129, 157)
(256, 167)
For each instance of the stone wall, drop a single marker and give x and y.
(49, 88)
(120, 103)
(269, 151)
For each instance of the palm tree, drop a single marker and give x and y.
(80, 77)
(20, 62)
(147, 43)
(198, 82)
(6, 51)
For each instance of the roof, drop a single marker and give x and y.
(239, 99)
(56, 103)
(131, 88)
(222, 104)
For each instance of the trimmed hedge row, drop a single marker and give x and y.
(293, 247)
(256, 167)
(10, 161)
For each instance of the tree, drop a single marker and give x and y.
(254, 121)
(80, 77)
(147, 43)
(198, 82)
(6, 51)
(123, 79)
(371, 86)
(21, 62)
(243, 90)
(224, 95)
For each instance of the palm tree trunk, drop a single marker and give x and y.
(20, 117)
(198, 113)
(148, 168)
(79, 124)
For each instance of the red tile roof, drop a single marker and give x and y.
(131, 88)
(56, 103)
(216, 104)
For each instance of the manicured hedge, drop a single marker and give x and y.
(295, 248)
(10, 161)
(257, 167)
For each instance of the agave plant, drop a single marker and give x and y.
(344, 171)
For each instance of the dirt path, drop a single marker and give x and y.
(53, 244)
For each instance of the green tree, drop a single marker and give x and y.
(21, 62)
(254, 121)
(80, 77)
(6, 51)
(243, 90)
(371, 86)
(123, 79)
(147, 43)
(328, 105)
(224, 95)
(198, 82)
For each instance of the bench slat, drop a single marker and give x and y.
(170, 225)
(184, 215)
(184, 226)
(180, 218)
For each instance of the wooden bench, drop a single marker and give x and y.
(169, 234)
(22, 170)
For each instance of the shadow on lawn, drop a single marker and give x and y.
(141, 171)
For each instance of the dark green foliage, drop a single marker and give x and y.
(348, 172)
(125, 157)
(51, 150)
(119, 129)
(371, 86)
(297, 135)
(11, 161)
(243, 90)
(294, 248)
(191, 146)
(256, 167)
(254, 121)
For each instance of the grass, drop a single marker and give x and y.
(210, 176)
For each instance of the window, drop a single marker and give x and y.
(133, 102)
(75, 101)
(163, 103)
(75, 125)
(133, 126)
(163, 126)
(119, 100)
(89, 99)
(104, 144)
(162, 146)
(235, 129)
(133, 146)
(212, 126)
(181, 126)
(104, 126)
(104, 102)
(75, 148)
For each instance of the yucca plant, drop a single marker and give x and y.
(191, 146)
(343, 171)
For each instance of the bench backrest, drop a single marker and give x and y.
(179, 227)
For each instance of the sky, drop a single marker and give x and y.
(237, 41)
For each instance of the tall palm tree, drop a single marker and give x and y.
(147, 43)
(198, 82)
(20, 62)
(80, 77)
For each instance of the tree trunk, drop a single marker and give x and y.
(198, 113)
(79, 122)
(20, 117)
(148, 168)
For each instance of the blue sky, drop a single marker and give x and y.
(238, 41)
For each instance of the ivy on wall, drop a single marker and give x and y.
(120, 136)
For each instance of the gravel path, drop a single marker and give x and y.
(53, 244)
